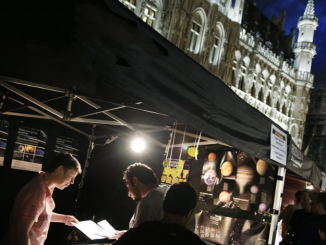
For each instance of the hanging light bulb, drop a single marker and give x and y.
(138, 145)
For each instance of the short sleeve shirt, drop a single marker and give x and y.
(34, 201)
(149, 207)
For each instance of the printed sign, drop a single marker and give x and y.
(278, 145)
(29, 149)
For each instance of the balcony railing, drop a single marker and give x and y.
(305, 45)
(309, 17)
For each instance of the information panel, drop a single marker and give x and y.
(67, 144)
(4, 129)
(29, 149)
(278, 145)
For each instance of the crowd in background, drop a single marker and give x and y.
(304, 223)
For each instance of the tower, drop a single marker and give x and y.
(304, 50)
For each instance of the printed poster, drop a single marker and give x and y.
(67, 144)
(29, 149)
(4, 130)
(236, 180)
(226, 230)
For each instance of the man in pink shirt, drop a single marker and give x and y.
(32, 212)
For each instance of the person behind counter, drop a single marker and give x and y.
(286, 215)
(32, 211)
(142, 185)
(178, 205)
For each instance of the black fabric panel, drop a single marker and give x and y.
(303, 166)
(108, 44)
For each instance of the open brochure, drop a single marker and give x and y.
(94, 231)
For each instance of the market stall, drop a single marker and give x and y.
(87, 58)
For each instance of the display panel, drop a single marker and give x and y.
(67, 144)
(4, 129)
(238, 180)
(29, 149)
(226, 230)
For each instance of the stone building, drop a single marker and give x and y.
(246, 50)
(315, 131)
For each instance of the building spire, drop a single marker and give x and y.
(310, 10)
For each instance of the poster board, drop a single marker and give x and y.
(67, 144)
(4, 131)
(226, 230)
(234, 179)
(29, 149)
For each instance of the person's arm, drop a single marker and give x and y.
(66, 219)
(129, 237)
(22, 231)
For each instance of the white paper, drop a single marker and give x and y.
(90, 229)
(109, 230)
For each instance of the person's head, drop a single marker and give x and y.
(180, 200)
(65, 168)
(298, 196)
(322, 229)
(137, 177)
(306, 197)
(318, 204)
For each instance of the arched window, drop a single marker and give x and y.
(130, 4)
(217, 48)
(196, 31)
(253, 90)
(284, 109)
(149, 12)
(318, 102)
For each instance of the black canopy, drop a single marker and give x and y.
(91, 43)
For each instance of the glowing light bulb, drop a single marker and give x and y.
(138, 145)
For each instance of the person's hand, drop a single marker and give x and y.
(118, 234)
(69, 219)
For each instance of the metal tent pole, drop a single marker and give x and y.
(277, 204)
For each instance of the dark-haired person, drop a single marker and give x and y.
(32, 211)
(286, 214)
(178, 205)
(307, 233)
(142, 185)
(300, 215)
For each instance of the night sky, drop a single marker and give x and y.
(294, 9)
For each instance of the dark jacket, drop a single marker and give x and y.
(158, 233)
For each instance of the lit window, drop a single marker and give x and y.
(194, 36)
(130, 4)
(149, 14)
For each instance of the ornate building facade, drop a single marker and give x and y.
(247, 51)
(314, 140)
